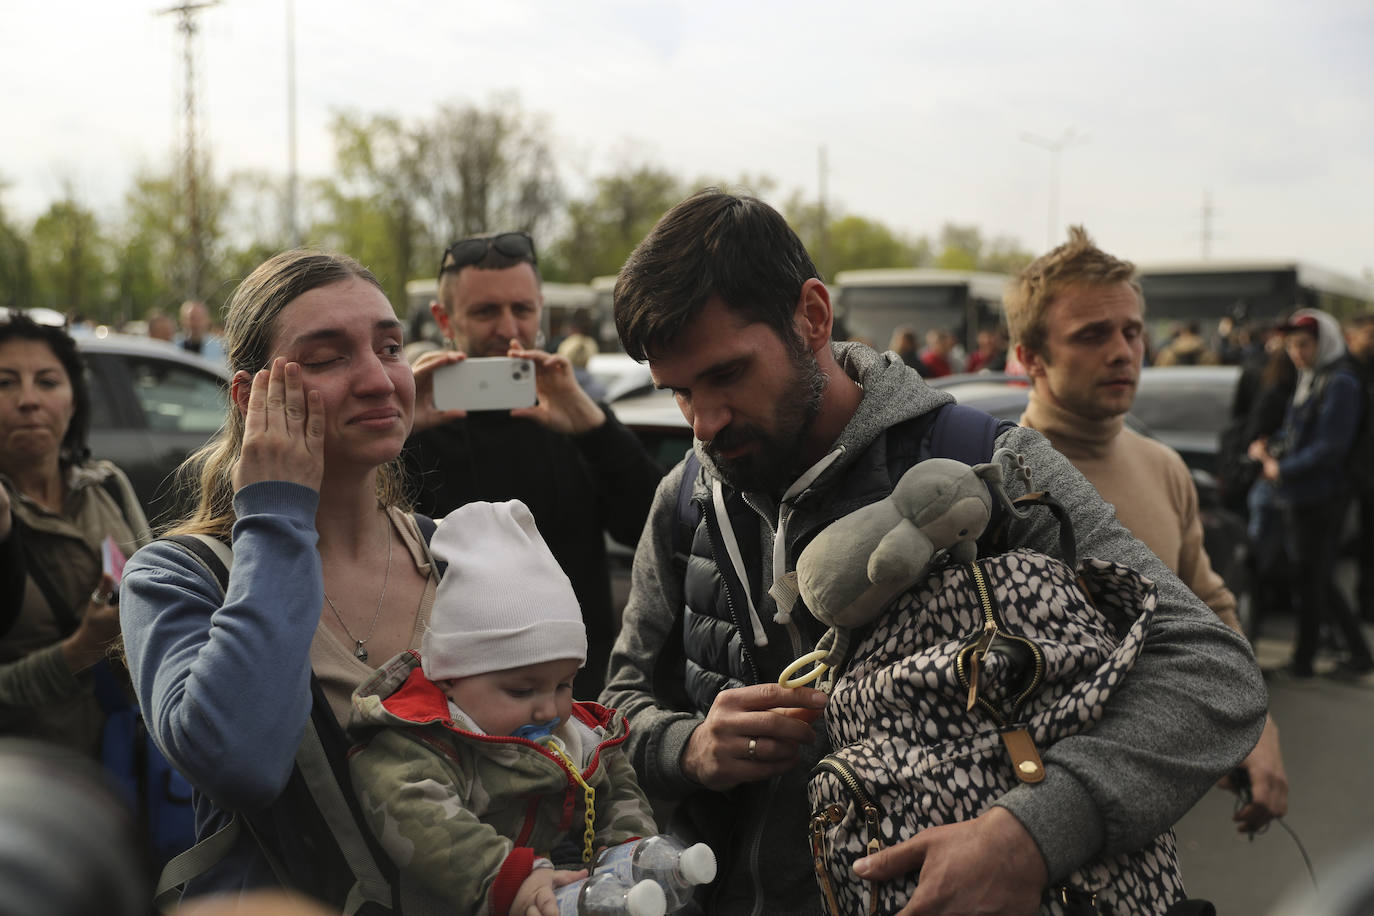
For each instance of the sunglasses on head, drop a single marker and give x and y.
(472, 251)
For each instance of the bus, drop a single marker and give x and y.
(565, 304)
(606, 335)
(1244, 291)
(871, 304)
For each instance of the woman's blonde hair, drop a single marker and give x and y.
(249, 328)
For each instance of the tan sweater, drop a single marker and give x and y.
(1150, 487)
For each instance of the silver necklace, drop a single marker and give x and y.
(358, 651)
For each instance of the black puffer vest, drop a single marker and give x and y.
(715, 618)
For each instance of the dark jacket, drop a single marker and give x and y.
(576, 487)
(39, 695)
(1318, 433)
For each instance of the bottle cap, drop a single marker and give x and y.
(698, 864)
(646, 899)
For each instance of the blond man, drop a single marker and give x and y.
(1076, 318)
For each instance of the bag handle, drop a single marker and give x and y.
(1068, 547)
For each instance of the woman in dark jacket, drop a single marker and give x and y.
(57, 611)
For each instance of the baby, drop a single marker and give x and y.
(476, 769)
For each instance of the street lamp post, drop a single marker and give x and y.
(1066, 139)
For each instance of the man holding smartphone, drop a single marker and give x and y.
(578, 469)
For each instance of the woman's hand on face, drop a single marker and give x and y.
(426, 414)
(283, 431)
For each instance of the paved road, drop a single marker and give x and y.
(1326, 728)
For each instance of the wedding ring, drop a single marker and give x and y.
(100, 597)
(753, 746)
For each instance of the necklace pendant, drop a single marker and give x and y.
(360, 652)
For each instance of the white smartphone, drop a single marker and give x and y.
(485, 383)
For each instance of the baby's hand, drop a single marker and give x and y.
(535, 897)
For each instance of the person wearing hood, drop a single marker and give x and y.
(1306, 461)
(794, 431)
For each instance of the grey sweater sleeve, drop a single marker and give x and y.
(651, 623)
(1191, 708)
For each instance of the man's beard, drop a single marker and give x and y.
(774, 463)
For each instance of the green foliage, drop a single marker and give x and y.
(851, 242)
(16, 277)
(856, 242)
(68, 258)
(405, 190)
(603, 229)
(151, 254)
(963, 248)
(1005, 256)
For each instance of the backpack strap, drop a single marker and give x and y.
(212, 553)
(688, 514)
(322, 761)
(427, 527)
(963, 433)
(216, 556)
(195, 861)
(114, 485)
(61, 611)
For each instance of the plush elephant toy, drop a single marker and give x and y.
(853, 569)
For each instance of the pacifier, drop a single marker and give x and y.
(535, 731)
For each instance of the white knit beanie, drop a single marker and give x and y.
(503, 601)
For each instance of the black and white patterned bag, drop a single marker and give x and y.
(947, 702)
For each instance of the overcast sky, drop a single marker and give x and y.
(922, 107)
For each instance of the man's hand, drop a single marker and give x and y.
(427, 415)
(1268, 782)
(535, 896)
(1258, 449)
(563, 406)
(987, 865)
(283, 429)
(769, 718)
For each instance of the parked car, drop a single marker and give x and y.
(658, 422)
(620, 376)
(1185, 407)
(152, 405)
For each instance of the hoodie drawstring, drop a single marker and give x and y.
(727, 533)
(781, 614)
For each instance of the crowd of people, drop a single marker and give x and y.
(505, 720)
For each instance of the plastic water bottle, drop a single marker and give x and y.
(604, 894)
(663, 860)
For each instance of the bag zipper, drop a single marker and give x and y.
(833, 814)
(967, 662)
